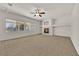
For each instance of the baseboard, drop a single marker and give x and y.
(61, 36)
(70, 41)
(21, 37)
(75, 47)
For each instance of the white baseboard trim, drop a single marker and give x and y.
(77, 50)
(20, 37)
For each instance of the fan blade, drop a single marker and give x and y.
(40, 15)
(41, 12)
(34, 15)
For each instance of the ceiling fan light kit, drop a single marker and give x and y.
(38, 12)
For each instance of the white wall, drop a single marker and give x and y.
(75, 27)
(63, 27)
(4, 35)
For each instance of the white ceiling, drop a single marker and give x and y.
(53, 10)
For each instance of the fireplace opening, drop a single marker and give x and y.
(46, 30)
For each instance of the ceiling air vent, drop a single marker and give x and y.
(10, 4)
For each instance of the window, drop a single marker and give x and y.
(13, 25)
(27, 26)
(10, 25)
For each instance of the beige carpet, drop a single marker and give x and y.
(38, 45)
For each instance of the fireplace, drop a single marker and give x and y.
(46, 30)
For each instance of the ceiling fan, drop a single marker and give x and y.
(38, 12)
